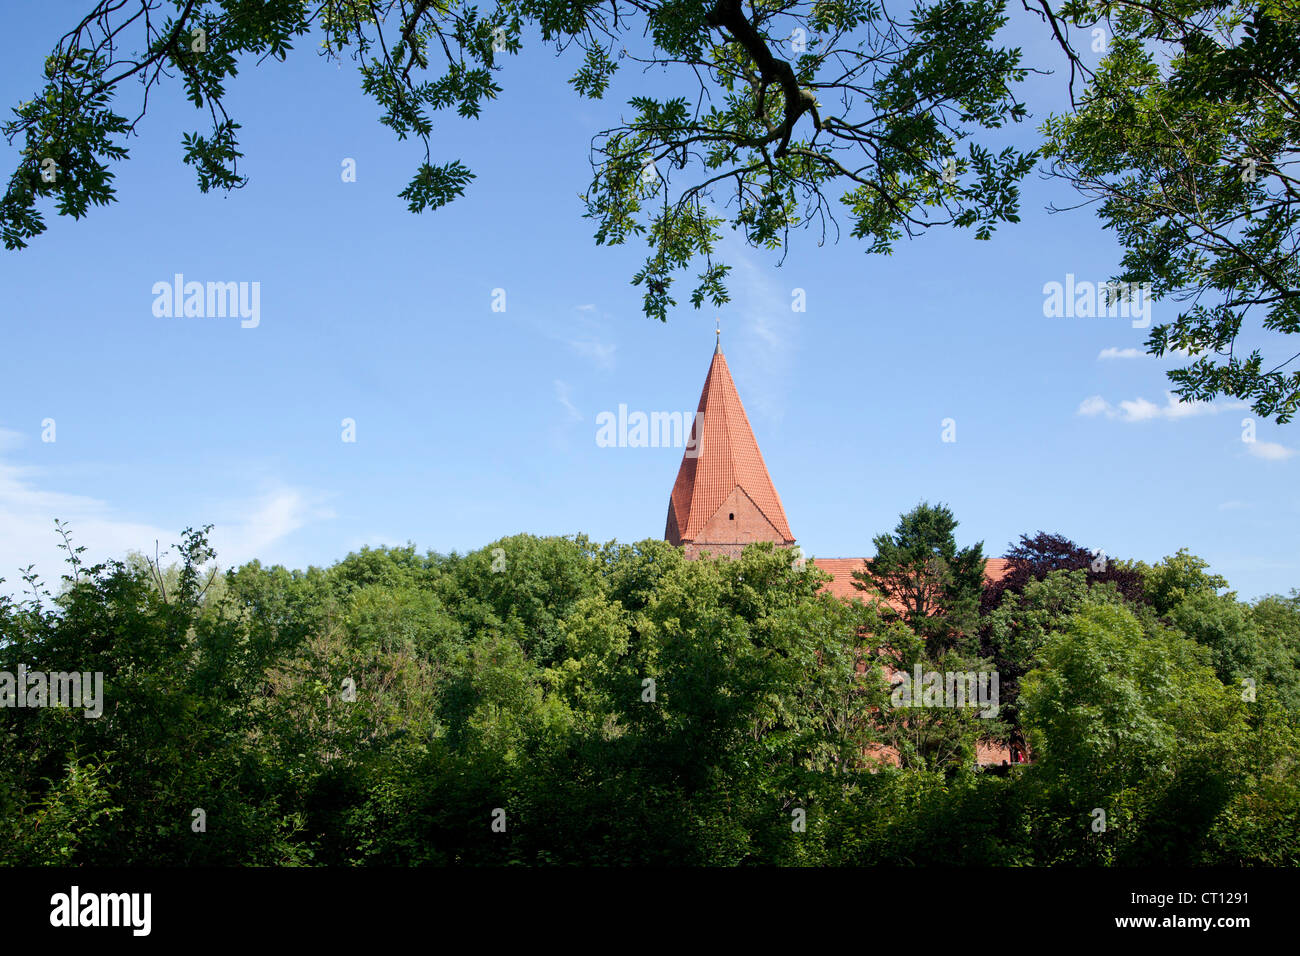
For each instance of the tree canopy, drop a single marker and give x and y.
(551, 701)
(780, 117)
(1185, 138)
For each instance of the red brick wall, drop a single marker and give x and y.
(737, 523)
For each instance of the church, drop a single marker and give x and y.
(724, 499)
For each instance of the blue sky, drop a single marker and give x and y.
(472, 424)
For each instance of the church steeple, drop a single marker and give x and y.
(723, 498)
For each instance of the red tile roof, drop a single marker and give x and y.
(841, 569)
(841, 585)
(728, 458)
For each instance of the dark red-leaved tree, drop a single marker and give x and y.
(1034, 558)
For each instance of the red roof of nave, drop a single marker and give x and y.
(841, 570)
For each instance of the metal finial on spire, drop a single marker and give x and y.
(717, 349)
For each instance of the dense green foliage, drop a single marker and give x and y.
(920, 567)
(619, 704)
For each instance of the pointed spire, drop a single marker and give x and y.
(717, 349)
(723, 495)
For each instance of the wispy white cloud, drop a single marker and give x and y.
(1233, 505)
(27, 514)
(244, 527)
(600, 353)
(1093, 405)
(254, 525)
(1114, 352)
(585, 331)
(564, 394)
(1142, 410)
(760, 327)
(1269, 450)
